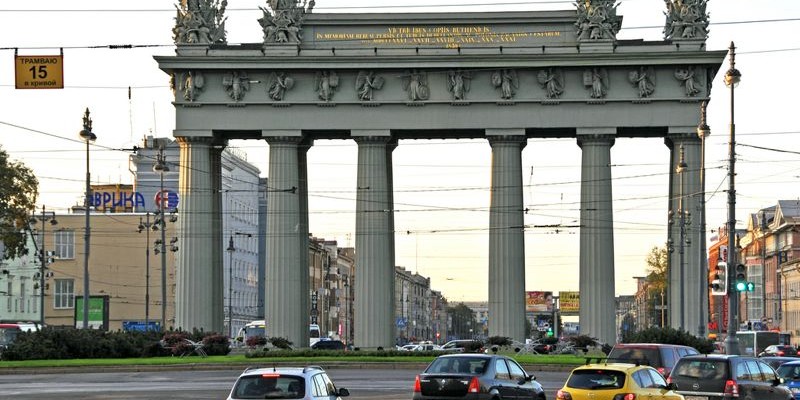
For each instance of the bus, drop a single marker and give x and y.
(259, 328)
(314, 334)
(252, 329)
(752, 343)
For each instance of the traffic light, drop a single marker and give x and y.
(719, 283)
(751, 287)
(741, 278)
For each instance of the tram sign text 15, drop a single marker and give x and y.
(39, 72)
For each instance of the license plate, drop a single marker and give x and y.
(695, 397)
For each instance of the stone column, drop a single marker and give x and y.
(374, 296)
(597, 310)
(195, 270)
(286, 296)
(688, 286)
(507, 235)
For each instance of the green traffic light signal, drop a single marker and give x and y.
(741, 286)
(751, 287)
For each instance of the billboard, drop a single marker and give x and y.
(570, 302)
(98, 312)
(539, 302)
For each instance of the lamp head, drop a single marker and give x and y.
(86, 133)
(160, 167)
(733, 77)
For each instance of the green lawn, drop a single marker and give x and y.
(242, 360)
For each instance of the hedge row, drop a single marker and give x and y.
(62, 344)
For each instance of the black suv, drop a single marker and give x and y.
(718, 376)
(659, 356)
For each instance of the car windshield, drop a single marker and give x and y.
(596, 379)
(790, 372)
(643, 355)
(701, 369)
(458, 365)
(269, 386)
(7, 335)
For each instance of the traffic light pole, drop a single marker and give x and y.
(732, 78)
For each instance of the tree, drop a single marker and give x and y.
(657, 267)
(657, 278)
(463, 319)
(18, 191)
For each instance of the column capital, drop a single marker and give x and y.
(198, 133)
(380, 140)
(681, 134)
(520, 141)
(356, 133)
(505, 132)
(195, 140)
(596, 139)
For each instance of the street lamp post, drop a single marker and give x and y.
(145, 226)
(231, 249)
(88, 136)
(703, 130)
(681, 168)
(46, 216)
(732, 78)
(160, 167)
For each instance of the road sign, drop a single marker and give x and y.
(401, 323)
(171, 198)
(39, 72)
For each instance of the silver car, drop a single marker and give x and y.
(308, 383)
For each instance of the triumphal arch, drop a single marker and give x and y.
(379, 78)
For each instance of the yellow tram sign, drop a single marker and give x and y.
(39, 72)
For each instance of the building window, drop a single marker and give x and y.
(9, 295)
(22, 296)
(65, 244)
(64, 294)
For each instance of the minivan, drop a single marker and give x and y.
(719, 376)
(662, 357)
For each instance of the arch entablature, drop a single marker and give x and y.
(440, 72)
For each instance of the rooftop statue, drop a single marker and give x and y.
(283, 20)
(597, 20)
(686, 19)
(200, 22)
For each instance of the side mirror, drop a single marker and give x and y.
(530, 377)
(777, 381)
(343, 392)
(672, 386)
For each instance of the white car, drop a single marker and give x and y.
(307, 383)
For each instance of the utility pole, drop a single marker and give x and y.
(732, 78)
(161, 167)
(44, 257)
(703, 130)
(88, 136)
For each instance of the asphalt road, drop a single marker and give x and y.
(388, 384)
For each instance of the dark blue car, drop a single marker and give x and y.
(790, 372)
